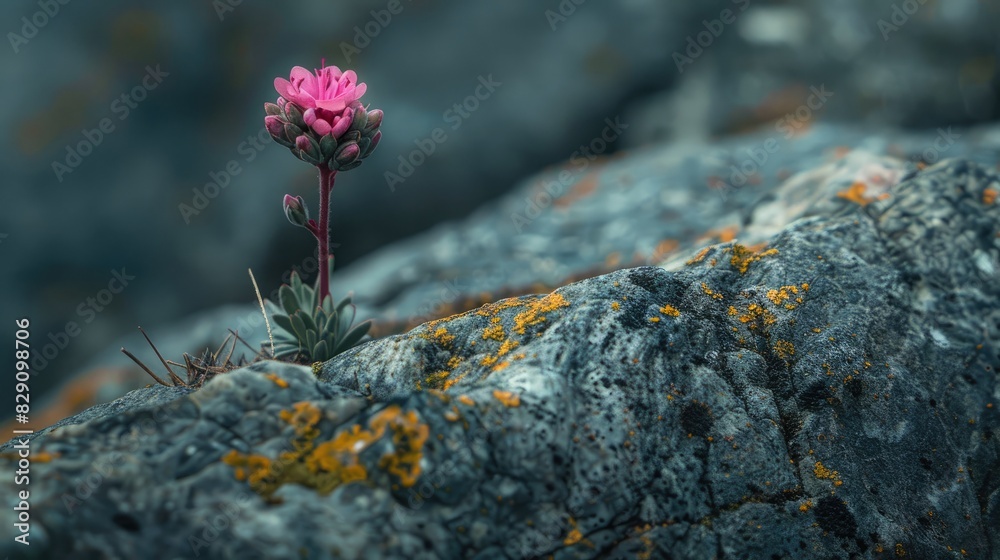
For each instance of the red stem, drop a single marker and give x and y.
(326, 177)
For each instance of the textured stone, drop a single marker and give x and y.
(830, 393)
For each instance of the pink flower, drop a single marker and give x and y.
(326, 97)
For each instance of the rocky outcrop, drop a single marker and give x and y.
(827, 392)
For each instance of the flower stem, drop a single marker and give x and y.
(326, 177)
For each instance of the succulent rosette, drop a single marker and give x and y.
(320, 118)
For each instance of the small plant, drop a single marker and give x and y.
(320, 118)
(310, 331)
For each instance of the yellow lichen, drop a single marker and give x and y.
(335, 462)
(670, 310)
(494, 331)
(784, 349)
(743, 257)
(533, 313)
(782, 295)
(821, 472)
(708, 292)
(496, 307)
(507, 398)
(277, 380)
(699, 257)
(857, 193)
(756, 314)
(615, 305)
(990, 196)
(466, 400)
(654, 319)
(408, 437)
(806, 506)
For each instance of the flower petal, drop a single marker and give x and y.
(321, 127)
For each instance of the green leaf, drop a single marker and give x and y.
(288, 299)
(310, 339)
(320, 352)
(299, 326)
(284, 323)
(330, 325)
(309, 321)
(346, 318)
(352, 337)
(344, 303)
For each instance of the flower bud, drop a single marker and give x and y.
(374, 119)
(374, 142)
(346, 154)
(272, 109)
(296, 211)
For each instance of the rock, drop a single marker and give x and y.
(830, 393)
(184, 168)
(786, 66)
(660, 204)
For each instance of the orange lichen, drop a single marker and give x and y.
(533, 313)
(664, 248)
(615, 305)
(466, 400)
(784, 349)
(43, 457)
(700, 256)
(654, 319)
(507, 398)
(494, 331)
(498, 306)
(408, 437)
(782, 295)
(821, 472)
(756, 315)
(990, 196)
(335, 462)
(743, 257)
(443, 337)
(900, 551)
(670, 310)
(575, 536)
(277, 380)
(708, 292)
(303, 417)
(857, 193)
(806, 506)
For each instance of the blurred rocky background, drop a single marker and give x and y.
(136, 191)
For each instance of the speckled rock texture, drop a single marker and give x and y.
(829, 392)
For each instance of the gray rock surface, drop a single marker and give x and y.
(659, 204)
(120, 206)
(829, 394)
